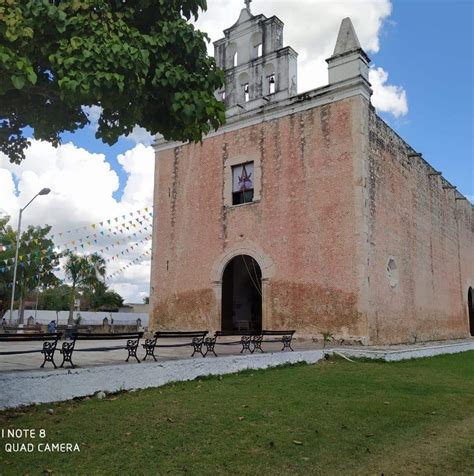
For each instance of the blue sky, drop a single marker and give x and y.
(428, 48)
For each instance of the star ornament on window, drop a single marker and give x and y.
(245, 183)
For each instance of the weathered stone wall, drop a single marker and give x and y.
(414, 218)
(303, 231)
(340, 195)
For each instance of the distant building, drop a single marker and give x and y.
(134, 307)
(87, 318)
(307, 211)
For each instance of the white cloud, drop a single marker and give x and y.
(82, 192)
(140, 135)
(79, 180)
(386, 97)
(8, 200)
(311, 28)
(133, 285)
(139, 164)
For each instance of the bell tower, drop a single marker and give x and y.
(258, 69)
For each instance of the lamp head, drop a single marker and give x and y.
(44, 191)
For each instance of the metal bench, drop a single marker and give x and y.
(132, 338)
(245, 339)
(250, 341)
(284, 337)
(48, 349)
(193, 338)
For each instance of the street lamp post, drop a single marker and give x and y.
(43, 191)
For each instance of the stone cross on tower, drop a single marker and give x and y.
(247, 4)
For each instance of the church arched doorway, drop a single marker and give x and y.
(470, 306)
(242, 295)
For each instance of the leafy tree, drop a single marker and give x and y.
(146, 300)
(100, 298)
(36, 263)
(55, 298)
(141, 61)
(85, 273)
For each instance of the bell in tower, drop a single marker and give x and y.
(258, 69)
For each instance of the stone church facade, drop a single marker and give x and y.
(307, 211)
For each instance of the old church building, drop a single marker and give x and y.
(307, 211)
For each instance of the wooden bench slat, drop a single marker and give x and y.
(106, 334)
(185, 344)
(277, 333)
(28, 337)
(19, 352)
(180, 333)
(80, 336)
(236, 333)
(99, 349)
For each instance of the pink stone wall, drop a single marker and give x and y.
(304, 224)
(415, 218)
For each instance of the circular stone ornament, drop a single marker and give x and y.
(392, 272)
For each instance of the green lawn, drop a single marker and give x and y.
(336, 417)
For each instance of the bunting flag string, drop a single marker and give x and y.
(130, 248)
(135, 227)
(25, 259)
(111, 233)
(116, 232)
(143, 213)
(44, 254)
(130, 264)
(113, 242)
(114, 228)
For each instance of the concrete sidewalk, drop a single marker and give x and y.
(25, 362)
(22, 383)
(28, 362)
(406, 352)
(26, 388)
